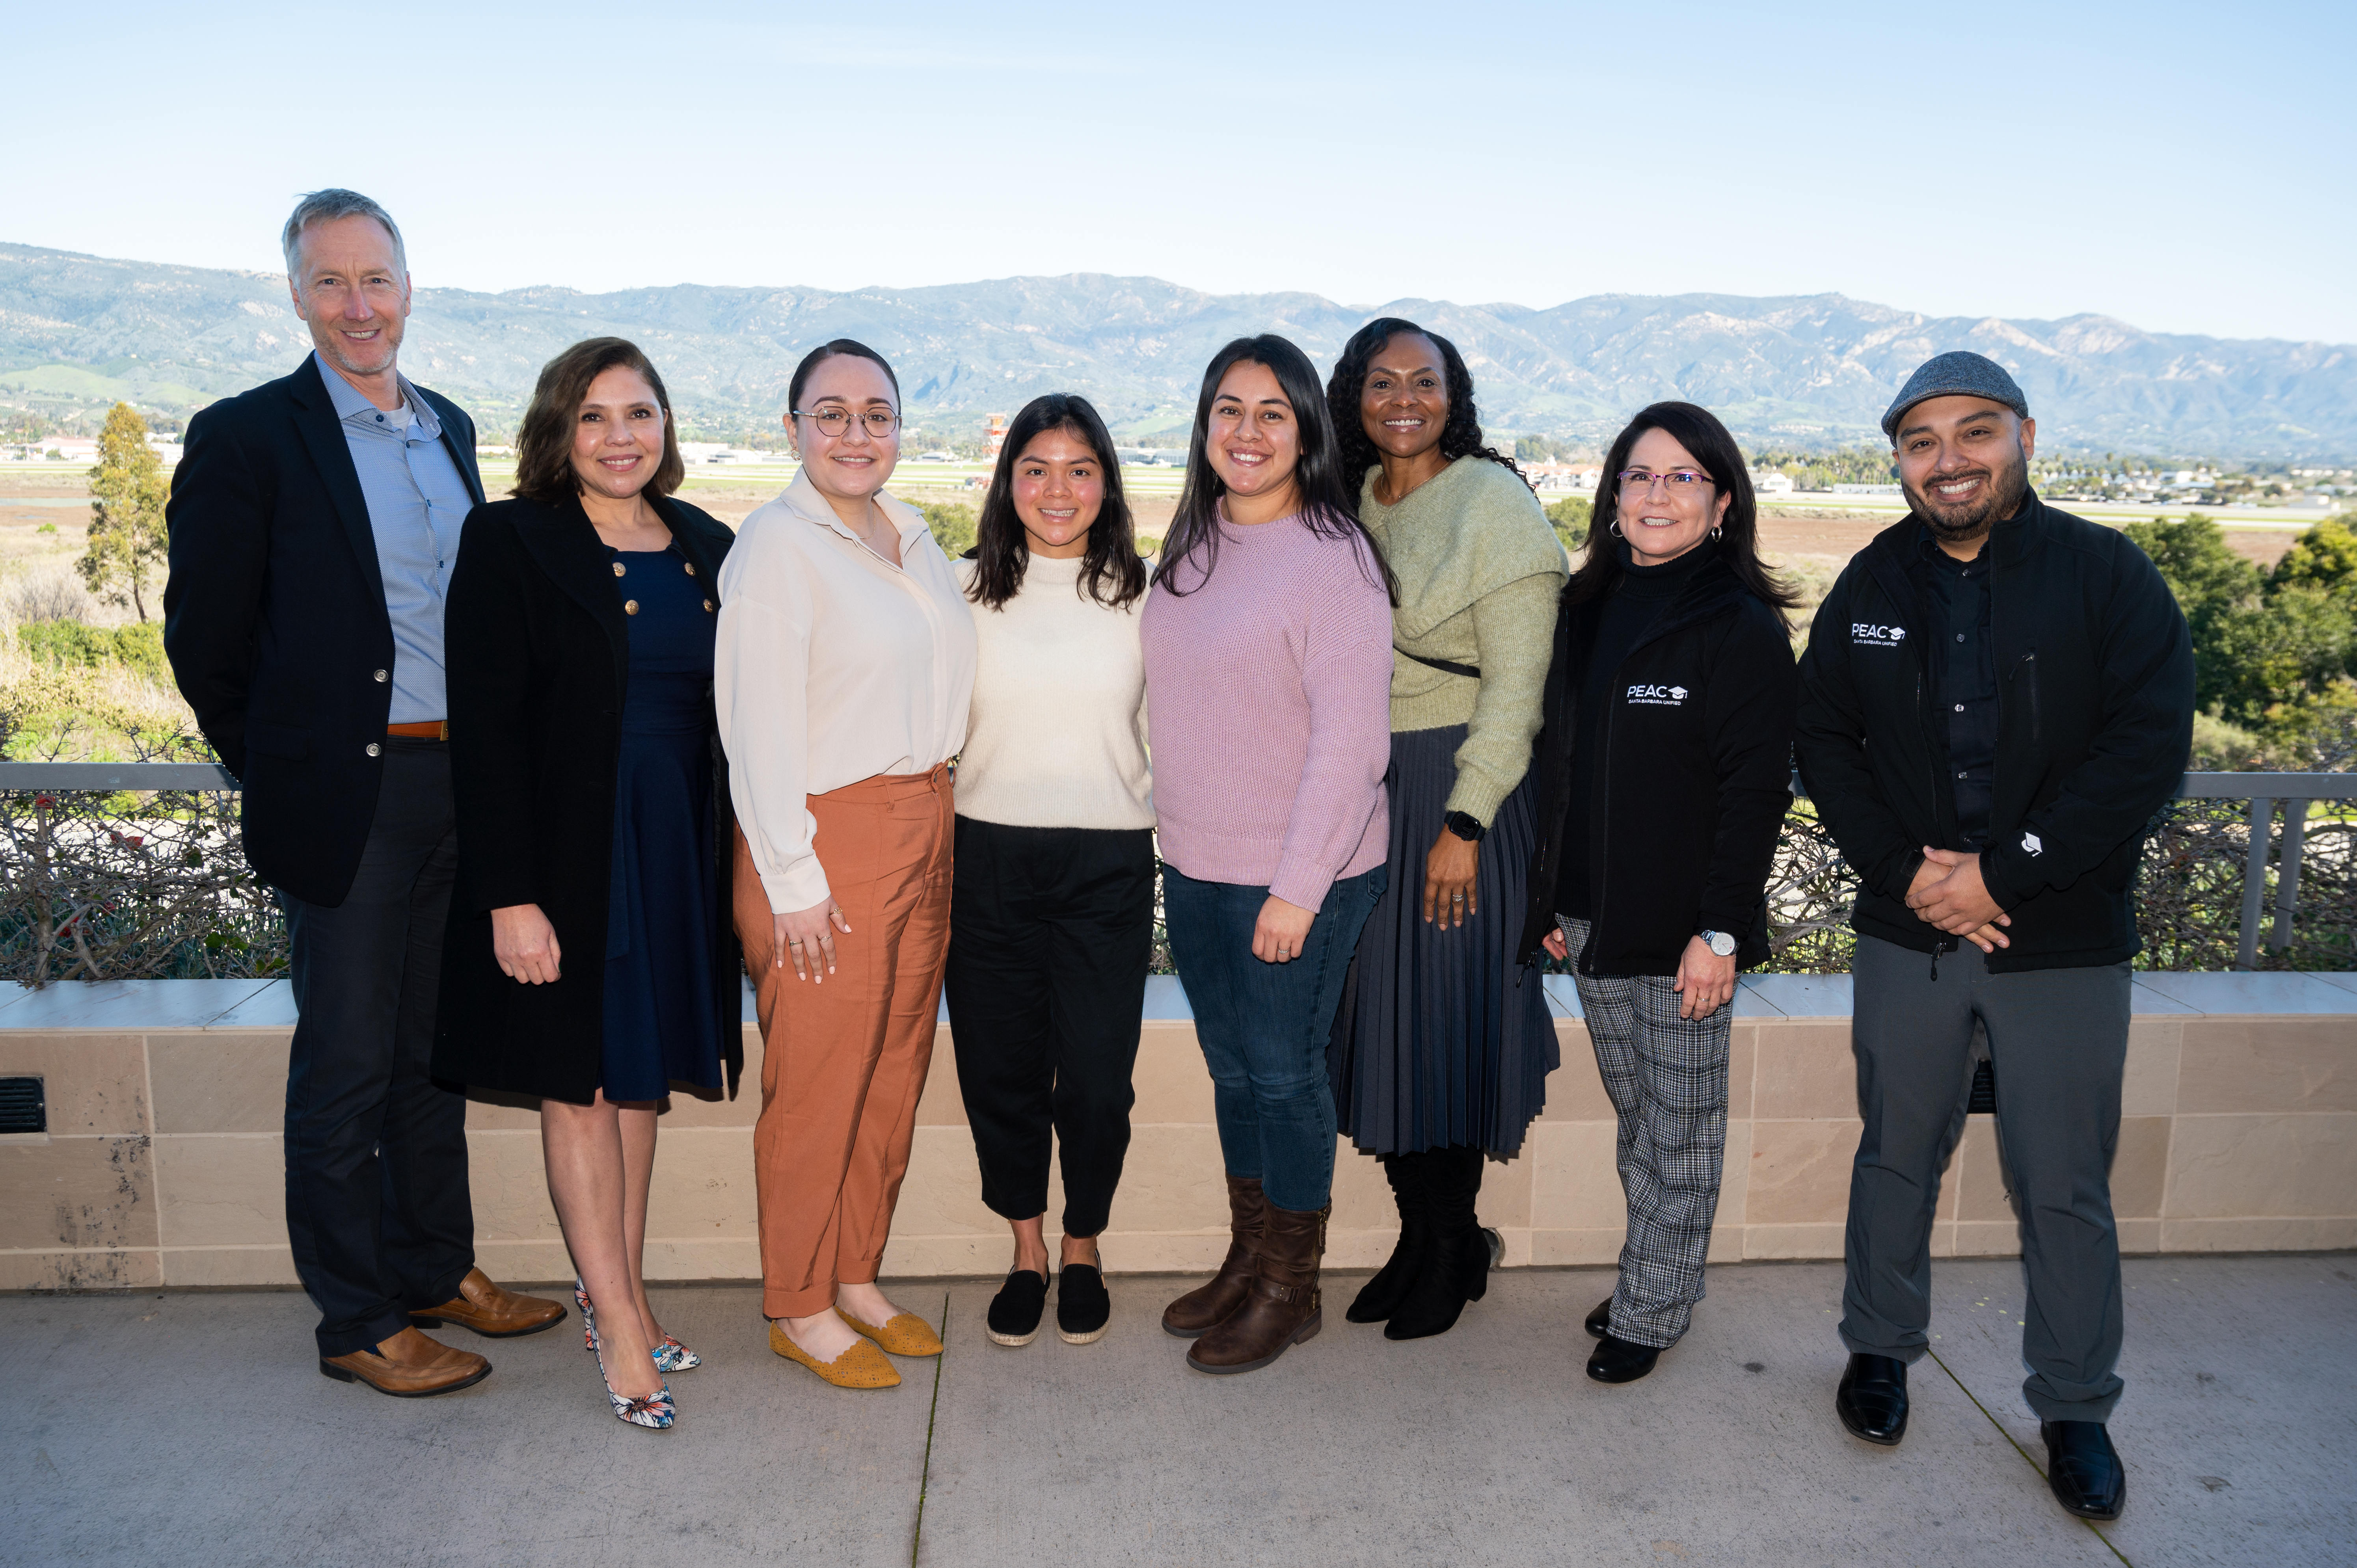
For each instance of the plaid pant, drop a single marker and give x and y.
(1667, 1079)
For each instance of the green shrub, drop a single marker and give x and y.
(140, 647)
(953, 525)
(1571, 516)
(67, 644)
(75, 645)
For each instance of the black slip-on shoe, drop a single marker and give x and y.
(1084, 1310)
(1599, 1321)
(2084, 1469)
(1872, 1399)
(1014, 1319)
(1621, 1361)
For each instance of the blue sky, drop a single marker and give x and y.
(2184, 168)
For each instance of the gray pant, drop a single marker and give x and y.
(2058, 1043)
(1667, 1079)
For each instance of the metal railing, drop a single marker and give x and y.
(2294, 792)
(2291, 794)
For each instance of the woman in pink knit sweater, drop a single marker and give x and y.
(1269, 661)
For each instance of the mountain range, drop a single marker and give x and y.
(1800, 370)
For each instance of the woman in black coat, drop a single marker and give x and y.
(592, 823)
(1666, 770)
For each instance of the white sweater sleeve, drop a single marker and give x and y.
(761, 688)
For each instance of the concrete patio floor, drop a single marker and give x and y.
(192, 1428)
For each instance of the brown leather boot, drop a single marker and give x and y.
(1282, 1307)
(490, 1311)
(1205, 1307)
(409, 1366)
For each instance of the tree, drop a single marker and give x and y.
(2325, 557)
(127, 524)
(2212, 585)
(952, 524)
(1570, 517)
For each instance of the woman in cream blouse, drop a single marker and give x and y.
(845, 666)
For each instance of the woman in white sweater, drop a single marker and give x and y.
(1051, 914)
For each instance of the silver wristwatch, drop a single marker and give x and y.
(1720, 942)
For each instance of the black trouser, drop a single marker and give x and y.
(2058, 1042)
(376, 1151)
(1051, 932)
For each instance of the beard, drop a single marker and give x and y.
(1999, 498)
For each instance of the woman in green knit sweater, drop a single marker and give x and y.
(1441, 1050)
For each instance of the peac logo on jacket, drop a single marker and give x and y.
(1874, 636)
(2029, 842)
(1658, 697)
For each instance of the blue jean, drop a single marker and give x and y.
(1263, 1026)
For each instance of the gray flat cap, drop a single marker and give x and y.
(1957, 373)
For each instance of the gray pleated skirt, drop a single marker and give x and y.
(1441, 1039)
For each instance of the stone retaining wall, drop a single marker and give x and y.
(162, 1166)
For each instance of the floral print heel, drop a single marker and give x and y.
(657, 1410)
(670, 1356)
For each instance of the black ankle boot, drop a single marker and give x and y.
(1462, 1250)
(1381, 1296)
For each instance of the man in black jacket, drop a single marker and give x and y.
(314, 521)
(1996, 699)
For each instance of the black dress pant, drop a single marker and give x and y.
(377, 1207)
(1050, 933)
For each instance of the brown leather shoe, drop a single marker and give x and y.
(489, 1311)
(409, 1366)
(1282, 1308)
(1207, 1306)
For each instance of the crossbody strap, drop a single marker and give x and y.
(1470, 672)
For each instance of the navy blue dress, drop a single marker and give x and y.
(662, 1021)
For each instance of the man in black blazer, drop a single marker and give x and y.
(314, 521)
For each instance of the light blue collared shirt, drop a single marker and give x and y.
(417, 500)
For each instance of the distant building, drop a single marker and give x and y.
(995, 436)
(1868, 490)
(1772, 482)
(1557, 477)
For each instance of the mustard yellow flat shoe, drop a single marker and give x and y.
(905, 1334)
(861, 1366)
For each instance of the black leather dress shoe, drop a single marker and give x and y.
(1872, 1399)
(1600, 1322)
(1619, 1361)
(2083, 1468)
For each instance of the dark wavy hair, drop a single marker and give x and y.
(1460, 433)
(1110, 572)
(545, 443)
(1707, 442)
(1330, 503)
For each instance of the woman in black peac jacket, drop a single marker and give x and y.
(1664, 774)
(589, 959)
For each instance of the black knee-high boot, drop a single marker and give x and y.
(1379, 1296)
(1461, 1250)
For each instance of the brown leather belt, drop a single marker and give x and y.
(423, 729)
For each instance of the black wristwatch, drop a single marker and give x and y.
(1465, 825)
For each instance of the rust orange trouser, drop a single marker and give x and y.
(844, 1061)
